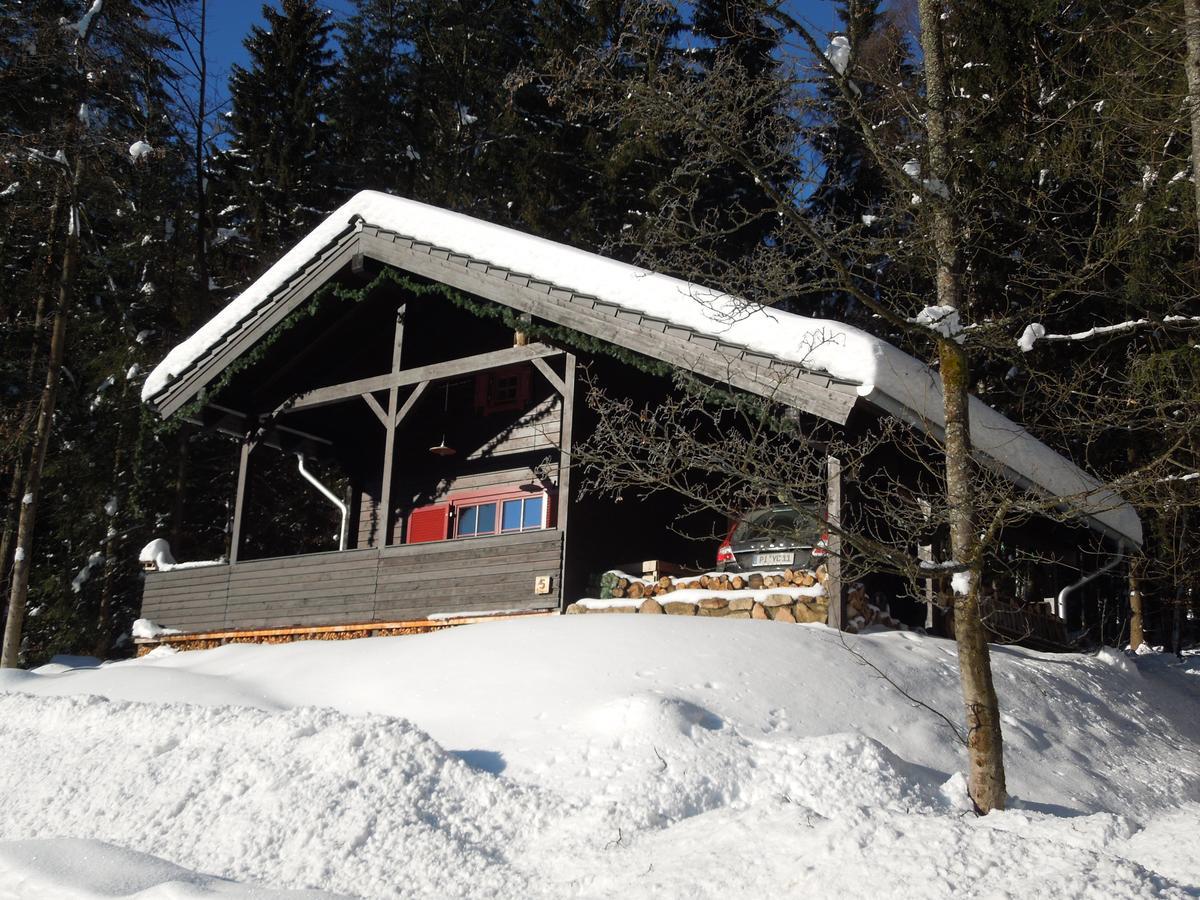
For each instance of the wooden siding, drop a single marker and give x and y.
(536, 429)
(492, 478)
(472, 574)
(358, 586)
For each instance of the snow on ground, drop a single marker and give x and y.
(74, 869)
(599, 756)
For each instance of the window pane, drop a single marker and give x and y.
(487, 518)
(533, 513)
(466, 519)
(510, 519)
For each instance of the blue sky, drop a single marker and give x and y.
(229, 22)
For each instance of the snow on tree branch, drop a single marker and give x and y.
(942, 319)
(1035, 331)
(84, 25)
(838, 53)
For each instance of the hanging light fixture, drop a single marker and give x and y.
(442, 448)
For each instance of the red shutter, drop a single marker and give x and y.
(429, 523)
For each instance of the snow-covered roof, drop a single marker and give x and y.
(884, 375)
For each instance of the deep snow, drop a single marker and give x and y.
(601, 756)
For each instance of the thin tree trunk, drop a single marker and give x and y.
(198, 157)
(1137, 621)
(1191, 65)
(15, 491)
(112, 547)
(984, 742)
(15, 623)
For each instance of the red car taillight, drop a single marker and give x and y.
(725, 554)
(822, 548)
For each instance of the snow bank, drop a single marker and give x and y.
(613, 756)
(306, 798)
(884, 373)
(74, 869)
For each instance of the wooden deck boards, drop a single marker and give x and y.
(401, 583)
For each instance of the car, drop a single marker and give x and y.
(775, 537)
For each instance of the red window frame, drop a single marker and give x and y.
(497, 498)
(440, 521)
(492, 389)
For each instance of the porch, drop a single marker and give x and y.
(372, 585)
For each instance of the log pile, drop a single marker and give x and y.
(860, 612)
(618, 585)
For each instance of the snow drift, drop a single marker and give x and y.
(605, 756)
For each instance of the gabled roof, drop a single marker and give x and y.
(819, 365)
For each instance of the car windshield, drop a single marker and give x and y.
(781, 523)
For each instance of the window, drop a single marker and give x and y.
(503, 510)
(502, 390)
(500, 515)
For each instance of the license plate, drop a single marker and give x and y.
(772, 559)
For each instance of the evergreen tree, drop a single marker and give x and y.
(374, 102)
(853, 184)
(102, 187)
(274, 177)
(740, 37)
(585, 176)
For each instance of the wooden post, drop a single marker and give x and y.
(833, 505)
(564, 467)
(239, 502)
(389, 442)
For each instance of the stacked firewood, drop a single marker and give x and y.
(619, 585)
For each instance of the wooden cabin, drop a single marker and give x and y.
(385, 362)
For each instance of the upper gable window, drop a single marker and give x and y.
(502, 390)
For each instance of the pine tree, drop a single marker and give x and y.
(105, 188)
(738, 41)
(274, 176)
(853, 185)
(373, 99)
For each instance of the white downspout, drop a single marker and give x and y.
(311, 479)
(1061, 603)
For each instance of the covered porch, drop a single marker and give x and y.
(450, 480)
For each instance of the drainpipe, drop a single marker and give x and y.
(311, 479)
(1061, 603)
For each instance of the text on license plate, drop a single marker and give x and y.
(772, 559)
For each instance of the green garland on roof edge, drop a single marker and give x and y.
(484, 309)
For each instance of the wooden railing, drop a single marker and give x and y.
(360, 586)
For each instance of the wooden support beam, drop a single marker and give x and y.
(551, 375)
(544, 301)
(411, 402)
(465, 366)
(237, 424)
(376, 408)
(389, 444)
(566, 443)
(239, 502)
(833, 562)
